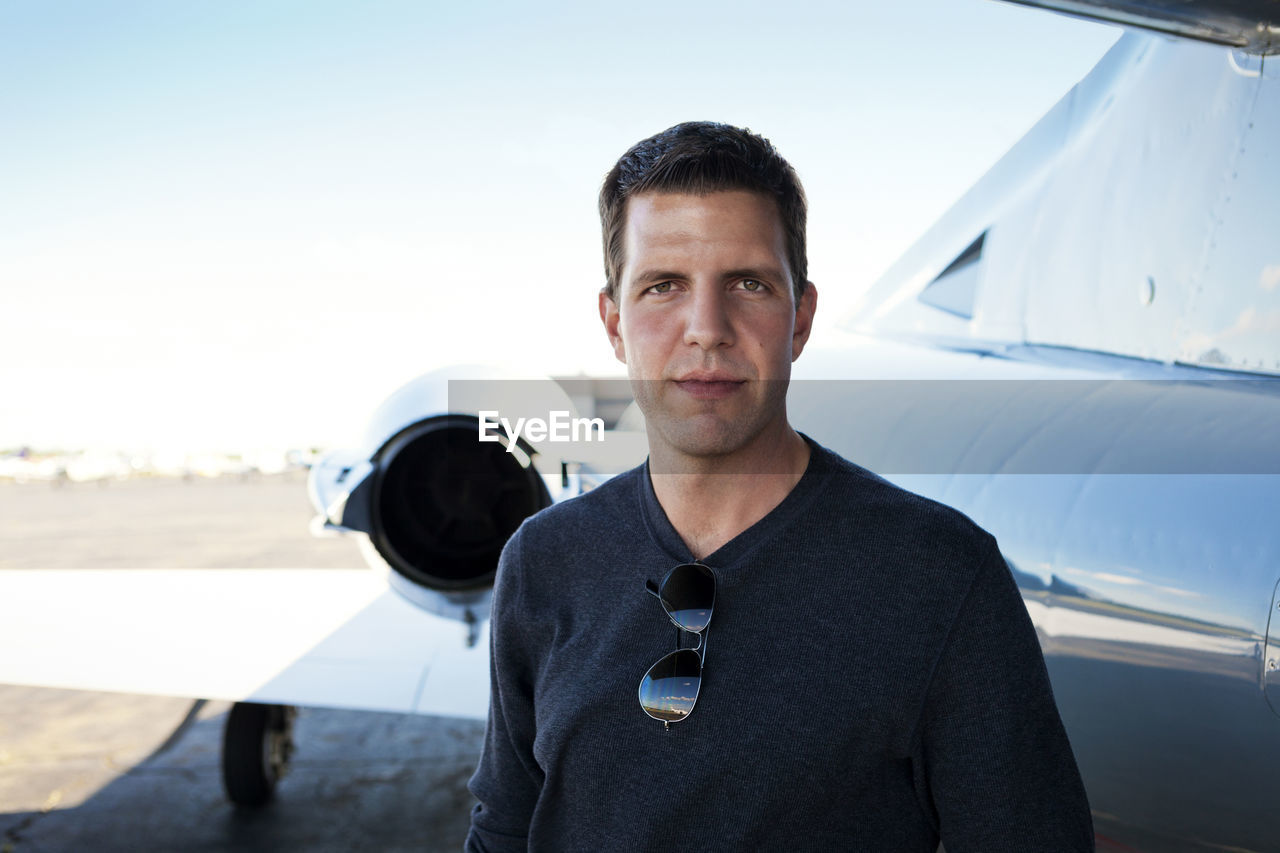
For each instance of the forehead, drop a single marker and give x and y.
(740, 225)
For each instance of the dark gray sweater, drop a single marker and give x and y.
(872, 682)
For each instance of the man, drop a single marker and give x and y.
(875, 683)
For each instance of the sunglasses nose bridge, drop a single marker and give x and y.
(702, 642)
(700, 635)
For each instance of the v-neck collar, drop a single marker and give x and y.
(664, 533)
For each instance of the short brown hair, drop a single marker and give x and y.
(701, 157)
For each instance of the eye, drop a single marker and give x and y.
(751, 285)
(660, 287)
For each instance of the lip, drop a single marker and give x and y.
(709, 376)
(709, 385)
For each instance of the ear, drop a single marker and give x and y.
(804, 319)
(609, 316)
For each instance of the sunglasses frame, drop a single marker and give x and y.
(703, 635)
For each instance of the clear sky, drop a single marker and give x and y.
(241, 225)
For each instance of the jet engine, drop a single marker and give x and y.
(431, 502)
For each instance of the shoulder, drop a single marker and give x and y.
(555, 548)
(895, 509)
(914, 537)
(550, 541)
(582, 517)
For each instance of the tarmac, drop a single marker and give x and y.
(113, 772)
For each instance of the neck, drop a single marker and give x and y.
(710, 500)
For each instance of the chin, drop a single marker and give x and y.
(704, 437)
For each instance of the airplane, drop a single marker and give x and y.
(1082, 355)
(1113, 285)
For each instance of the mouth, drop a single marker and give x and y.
(709, 386)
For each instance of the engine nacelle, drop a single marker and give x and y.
(431, 502)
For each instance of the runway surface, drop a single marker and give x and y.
(111, 772)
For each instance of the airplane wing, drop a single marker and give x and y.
(432, 504)
(1252, 25)
(431, 498)
(339, 638)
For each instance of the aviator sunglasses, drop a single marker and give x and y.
(669, 689)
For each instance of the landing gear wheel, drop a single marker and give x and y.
(257, 744)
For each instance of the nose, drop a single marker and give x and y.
(708, 324)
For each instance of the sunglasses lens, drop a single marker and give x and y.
(689, 595)
(670, 687)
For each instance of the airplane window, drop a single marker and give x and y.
(955, 288)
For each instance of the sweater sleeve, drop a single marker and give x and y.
(508, 780)
(993, 765)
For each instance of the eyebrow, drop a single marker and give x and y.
(768, 273)
(649, 276)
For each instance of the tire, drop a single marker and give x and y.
(257, 743)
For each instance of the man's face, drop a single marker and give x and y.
(705, 318)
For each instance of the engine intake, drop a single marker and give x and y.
(443, 504)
